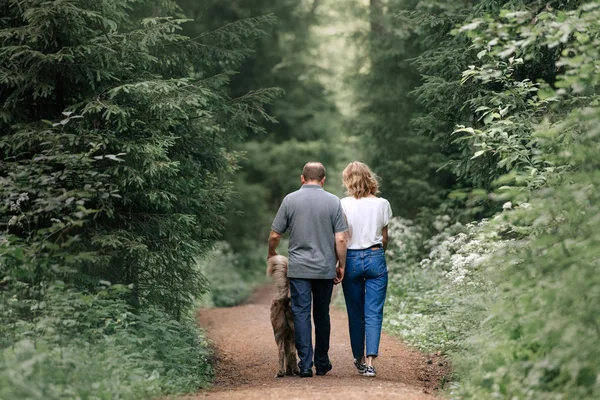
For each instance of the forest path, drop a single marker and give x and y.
(247, 361)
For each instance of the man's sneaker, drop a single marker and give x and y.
(369, 371)
(361, 367)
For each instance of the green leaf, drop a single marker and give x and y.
(478, 154)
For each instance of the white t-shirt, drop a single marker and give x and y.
(366, 217)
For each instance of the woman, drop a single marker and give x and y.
(366, 277)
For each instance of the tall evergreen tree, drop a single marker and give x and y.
(406, 160)
(127, 125)
(307, 123)
(116, 154)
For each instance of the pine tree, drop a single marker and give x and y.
(116, 139)
(405, 160)
(307, 125)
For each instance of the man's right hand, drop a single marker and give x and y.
(340, 252)
(274, 239)
(339, 272)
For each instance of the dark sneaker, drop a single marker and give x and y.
(325, 370)
(361, 367)
(305, 373)
(370, 372)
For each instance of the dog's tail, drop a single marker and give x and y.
(277, 269)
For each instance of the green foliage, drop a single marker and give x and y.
(115, 160)
(435, 299)
(551, 325)
(151, 120)
(404, 158)
(306, 124)
(84, 344)
(512, 300)
(442, 98)
(231, 276)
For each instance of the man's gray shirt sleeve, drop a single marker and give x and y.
(339, 221)
(281, 221)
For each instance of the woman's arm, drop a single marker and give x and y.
(384, 234)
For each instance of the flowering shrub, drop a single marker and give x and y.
(415, 299)
(406, 240)
(431, 301)
(513, 300)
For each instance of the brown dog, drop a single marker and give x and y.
(282, 317)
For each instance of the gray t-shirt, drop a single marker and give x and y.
(313, 217)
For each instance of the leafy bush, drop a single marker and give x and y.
(538, 340)
(81, 345)
(231, 276)
(226, 286)
(513, 299)
(115, 158)
(433, 300)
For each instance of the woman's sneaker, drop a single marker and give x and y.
(369, 371)
(361, 367)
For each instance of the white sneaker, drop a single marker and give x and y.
(370, 372)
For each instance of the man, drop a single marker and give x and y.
(317, 240)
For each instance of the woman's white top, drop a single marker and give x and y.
(366, 217)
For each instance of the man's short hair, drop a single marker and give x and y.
(313, 171)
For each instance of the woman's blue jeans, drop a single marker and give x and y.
(365, 286)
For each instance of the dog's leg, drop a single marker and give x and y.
(291, 343)
(281, 346)
(288, 357)
(292, 361)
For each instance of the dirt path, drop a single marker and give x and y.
(247, 361)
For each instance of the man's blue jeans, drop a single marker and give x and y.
(365, 285)
(302, 290)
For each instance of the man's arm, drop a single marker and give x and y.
(274, 239)
(340, 250)
(384, 234)
(280, 224)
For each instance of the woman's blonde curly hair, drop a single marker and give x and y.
(359, 180)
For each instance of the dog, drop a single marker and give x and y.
(282, 317)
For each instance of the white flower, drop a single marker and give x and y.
(507, 205)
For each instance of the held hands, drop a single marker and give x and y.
(339, 272)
